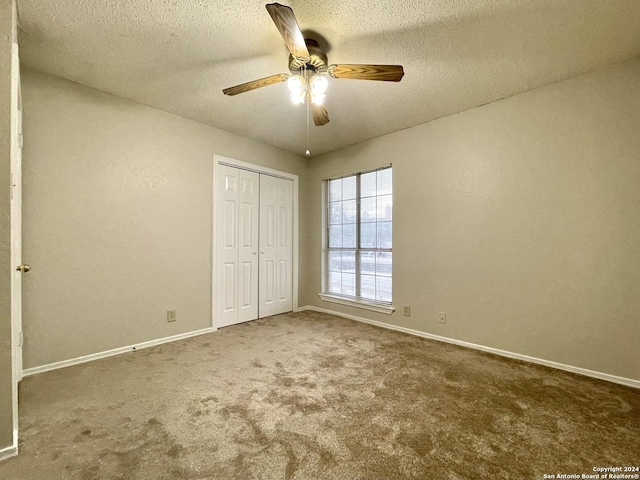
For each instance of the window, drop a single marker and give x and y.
(358, 247)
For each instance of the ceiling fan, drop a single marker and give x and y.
(309, 67)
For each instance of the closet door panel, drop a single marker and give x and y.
(284, 241)
(248, 236)
(227, 246)
(268, 250)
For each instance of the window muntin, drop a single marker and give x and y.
(358, 250)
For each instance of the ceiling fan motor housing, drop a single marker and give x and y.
(317, 59)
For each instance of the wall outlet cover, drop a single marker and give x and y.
(443, 317)
(171, 316)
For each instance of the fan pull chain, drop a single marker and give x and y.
(307, 97)
(307, 152)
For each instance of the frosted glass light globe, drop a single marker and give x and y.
(319, 84)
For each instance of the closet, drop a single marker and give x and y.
(254, 245)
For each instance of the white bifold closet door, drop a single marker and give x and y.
(254, 245)
(276, 252)
(237, 245)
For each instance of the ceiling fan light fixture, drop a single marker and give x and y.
(297, 88)
(309, 68)
(319, 84)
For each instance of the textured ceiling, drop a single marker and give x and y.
(178, 55)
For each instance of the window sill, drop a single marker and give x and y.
(387, 310)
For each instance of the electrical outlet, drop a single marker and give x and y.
(443, 317)
(171, 315)
(406, 310)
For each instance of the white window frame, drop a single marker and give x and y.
(372, 305)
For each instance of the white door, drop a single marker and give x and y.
(227, 241)
(16, 248)
(16, 227)
(16, 237)
(276, 250)
(254, 245)
(248, 211)
(284, 246)
(268, 250)
(237, 240)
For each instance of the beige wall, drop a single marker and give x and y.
(7, 29)
(520, 219)
(117, 218)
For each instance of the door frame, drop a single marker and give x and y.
(219, 159)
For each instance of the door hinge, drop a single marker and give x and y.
(20, 140)
(20, 339)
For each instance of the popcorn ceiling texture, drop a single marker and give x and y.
(178, 56)
(311, 396)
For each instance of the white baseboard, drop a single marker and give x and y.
(8, 452)
(629, 382)
(115, 351)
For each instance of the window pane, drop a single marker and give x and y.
(335, 212)
(368, 184)
(368, 287)
(349, 188)
(349, 235)
(349, 211)
(384, 208)
(384, 235)
(335, 190)
(384, 263)
(335, 261)
(368, 211)
(349, 262)
(383, 289)
(368, 235)
(348, 283)
(368, 262)
(384, 181)
(335, 282)
(335, 236)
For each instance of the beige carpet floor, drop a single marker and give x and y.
(312, 396)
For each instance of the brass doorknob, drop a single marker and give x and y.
(23, 268)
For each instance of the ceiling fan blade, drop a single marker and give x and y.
(385, 73)
(287, 24)
(263, 82)
(320, 115)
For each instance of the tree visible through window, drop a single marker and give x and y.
(359, 237)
